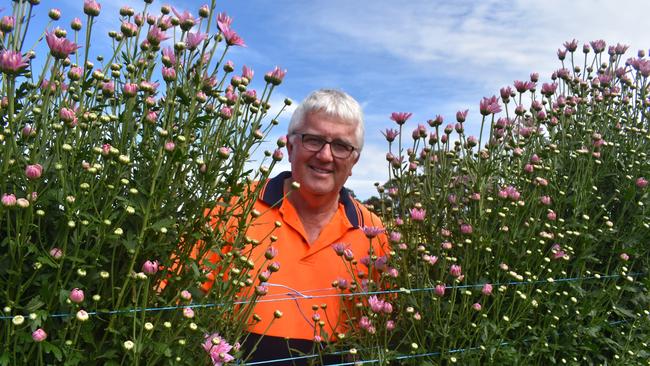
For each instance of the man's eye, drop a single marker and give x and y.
(340, 146)
(313, 140)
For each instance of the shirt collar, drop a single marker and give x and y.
(273, 194)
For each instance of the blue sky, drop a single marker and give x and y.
(425, 57)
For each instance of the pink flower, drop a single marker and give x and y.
(549, 89)
(33, 171)
(271, 252)
(232, 38)
(388, 307)
(150, 267)
(466, 229)
(339, 248)
(156, 35)
(446, 245)
(168, 74)
(186, 19)
(12, 62)
(224, 151)
(523, 86)
(624, 257)
(487, 289)
(39, 335)
(60, 47)
(261, 290)
(400, 117)
(168, 56)
(67, 115)
(641, 182)
(278, 155)
(528, 168)
(571, 46)
(223, 21)
(128, 29)
(264, 276)
(188, 313)
(376, 305)
(598, 45)
(225, 112)
(7, 23)
(218, 349)
(92, 8)
(76, 295)
(476, 306)
(417, 214)
(439, 290)
(372, 231)
(56, 253)
(551, 215)
(455, 270)
(273, 267)
(365, 323)
(247, 73)
(76, 24)
(275, 76)
(545, 200)
(461, 116)
(75, 73)
(130, 90)
(431, 259)
(390, 325)
(193, 40)
(8, 200)
(392, 272)
(186, 295)
(505, 94)
(108, 87)
(390, 134)
(489, 106)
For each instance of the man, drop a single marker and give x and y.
(316, 212)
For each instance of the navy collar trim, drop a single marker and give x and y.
(274, 193)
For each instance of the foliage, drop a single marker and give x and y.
(106, 177)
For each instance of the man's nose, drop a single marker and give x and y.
(325, 152)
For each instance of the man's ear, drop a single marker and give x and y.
(289, 147)
(356, 160)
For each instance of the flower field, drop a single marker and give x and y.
(525, 244)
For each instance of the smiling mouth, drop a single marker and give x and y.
(320, 170)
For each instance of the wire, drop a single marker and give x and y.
(303, 295)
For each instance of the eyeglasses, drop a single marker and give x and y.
(315, 143)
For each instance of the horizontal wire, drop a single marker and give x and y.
(302, 296)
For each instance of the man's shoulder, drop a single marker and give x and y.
(369, 218)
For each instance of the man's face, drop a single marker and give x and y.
(320, 173)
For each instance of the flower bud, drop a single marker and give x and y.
(54, 14)
(150, 267)
(33, 171)
(82, 315)
(76, 24)
(76, 296)
(39, 335)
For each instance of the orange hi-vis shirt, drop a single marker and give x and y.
(306, 270)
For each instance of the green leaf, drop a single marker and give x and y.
(50, 348)
(4, 359)
(34, 304)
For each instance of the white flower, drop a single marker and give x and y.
(18, 320)
(82, 315)
(128, 345)
(148, 326)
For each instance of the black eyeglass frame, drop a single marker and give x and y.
(349, 149)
